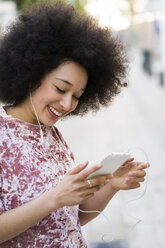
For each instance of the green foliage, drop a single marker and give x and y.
(27, 3)
(21, 4)
(79, 6)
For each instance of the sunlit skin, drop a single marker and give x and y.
(60, 89)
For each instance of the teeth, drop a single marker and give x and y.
(54, 111)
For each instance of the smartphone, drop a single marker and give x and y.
(110, 164)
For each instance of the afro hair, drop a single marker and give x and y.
(44, 36)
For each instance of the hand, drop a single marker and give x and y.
(129, 175)
(74, 188)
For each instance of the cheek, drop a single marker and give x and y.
(74, 106)
(47, 97)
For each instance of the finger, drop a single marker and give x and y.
(143, 166)
(133, 181)
(135, 186)
(93, 190)
(85, 197)
(110, 176)
(89, 196)
(127, 161)
(84, 174)
(78, 169)
(135, 174)
(99, 181)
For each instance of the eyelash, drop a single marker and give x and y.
(63, 92)
(59, 90)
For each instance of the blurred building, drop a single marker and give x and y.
(7, 13)
(157, 6)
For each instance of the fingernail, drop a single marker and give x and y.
(84, 164)
(107, 181)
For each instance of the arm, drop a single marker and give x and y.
(16, 221)
(72, 190)
(97, 203)
(128, 176)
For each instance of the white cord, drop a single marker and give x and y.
(147, 173)
(144, 192)
(107, 219)
(96, 211)
(41, 132)
(113, 235)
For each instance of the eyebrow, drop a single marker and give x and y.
(67, 82)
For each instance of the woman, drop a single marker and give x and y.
(54, 62)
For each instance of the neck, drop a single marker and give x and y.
(22, 112)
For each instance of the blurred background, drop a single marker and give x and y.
(134, 122)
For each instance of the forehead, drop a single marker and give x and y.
(71, 74)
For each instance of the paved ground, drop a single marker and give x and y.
(135, 119)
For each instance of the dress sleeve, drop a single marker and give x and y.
(64, 142)
(1, 204)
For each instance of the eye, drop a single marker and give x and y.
(76, 98)
(64, 91)
(60, 90)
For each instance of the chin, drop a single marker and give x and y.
(51, 123)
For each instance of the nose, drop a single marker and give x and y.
(66, 102)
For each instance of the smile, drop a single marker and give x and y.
(54, 111)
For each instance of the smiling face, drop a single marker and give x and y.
(58, 94)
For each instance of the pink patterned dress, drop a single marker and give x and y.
(27, 169)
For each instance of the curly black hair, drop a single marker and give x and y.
(43, 36)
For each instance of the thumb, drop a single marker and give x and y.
(127, 161)
(78, 169)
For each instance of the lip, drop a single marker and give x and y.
(54, 116)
